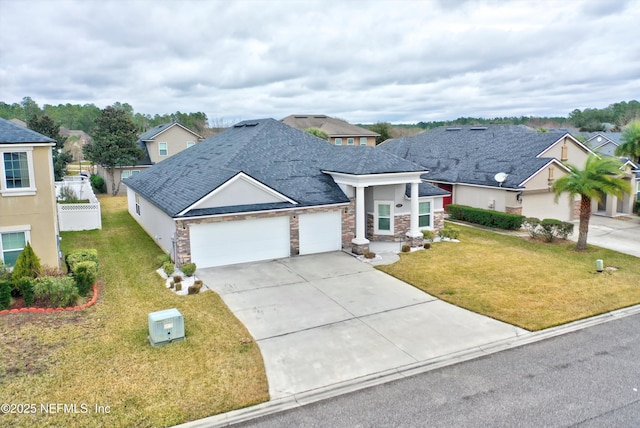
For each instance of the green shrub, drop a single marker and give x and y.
(448, 233)
(81, 255)
(189, 269)
(5, 294)
(532, 225)
(55, 292)
(406, 248)
(27, 264)
(98, 184)
(548, 228)
(162, 259)
(85, 274)
(565, 229)
(5, 273)
(428, 235)
(24, 286)
(168, 268)
(67, 195)
(637, 207)
(487, 218)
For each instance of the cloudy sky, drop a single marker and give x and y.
(363, 61)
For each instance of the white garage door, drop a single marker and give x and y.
(230, 242)
(320, 232)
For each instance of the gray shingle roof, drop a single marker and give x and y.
(330, 125)
(12, 133)
(287, 160)
(473, 154)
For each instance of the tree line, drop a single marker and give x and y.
(83, 117)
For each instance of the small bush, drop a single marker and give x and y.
(27, 264)
(532, 225)
(195, 288)
(448, 233)
(548, 228)
(177, 278)
(426, 246)
(5, 273)
(178, 286)
(55, 292)
(172, 284)
(169, 268)
(565, 229)
(406, 248)
(81, 255)
(85, 274)
(98, 184)
(162, 259)
(51, 271)
(188, 269)
(369, 255)
(428, 235)
(487, 218)
(68, 195)
(25, 287)
(5, 294)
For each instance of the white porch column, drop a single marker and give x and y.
(361, 218)
(414, 229)
(611, 205)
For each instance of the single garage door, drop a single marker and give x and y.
(231, 242)
(320, 232)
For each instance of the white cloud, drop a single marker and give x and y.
(401, 61)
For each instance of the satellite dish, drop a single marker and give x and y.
(500, 177)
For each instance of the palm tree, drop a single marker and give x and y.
(630, 142)
(599, 176)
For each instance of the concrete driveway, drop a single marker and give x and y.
(620, 234)
(324, 319)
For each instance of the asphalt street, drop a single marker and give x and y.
(589, 378)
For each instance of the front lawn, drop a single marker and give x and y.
(529, 284)
(101, 355)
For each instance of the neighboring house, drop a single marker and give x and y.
(263, 190)
(159, 143)
(604, 143)
(19, 122)
(27, 195)
(340, 133)
(505, 168)
(76, 140)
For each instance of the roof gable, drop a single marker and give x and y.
(241, 189)
(152, 133)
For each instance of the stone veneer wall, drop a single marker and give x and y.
(575, 211)
(401, 226)
(183, 243)
(513, 210)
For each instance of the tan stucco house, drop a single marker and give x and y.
(27, 195)
(340, 132)
(505, 168)
(158, 143)
(264, 190)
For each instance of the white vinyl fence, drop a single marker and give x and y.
(80, 216)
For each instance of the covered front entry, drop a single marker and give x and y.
(232, 242)
(320, 232)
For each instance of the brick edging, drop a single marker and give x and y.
(69, 308)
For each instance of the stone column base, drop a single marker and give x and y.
(415, 241)
(359, 249)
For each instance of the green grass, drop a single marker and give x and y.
(101, 355)
(530, 284)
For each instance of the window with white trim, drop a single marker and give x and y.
(363, 141)
(350, 141)
(11, 245)
(424, 214)
(383, 218)
(128, 173)
(338, 141)
(190, 144)
(162, 149)
(16, 172)
(137, 204)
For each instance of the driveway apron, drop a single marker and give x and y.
(328, 318)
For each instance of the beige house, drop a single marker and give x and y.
(27, 195)
(505, 168)
(159, 143)
(340, 132)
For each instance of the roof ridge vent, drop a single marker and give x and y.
(478, 128)
(454, 129)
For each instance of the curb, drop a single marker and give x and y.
(49, 310)
(312, 396)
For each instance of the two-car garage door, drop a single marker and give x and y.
(231, 242)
